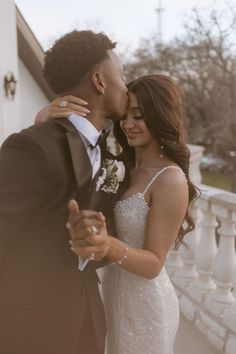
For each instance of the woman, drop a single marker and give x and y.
(140, 302)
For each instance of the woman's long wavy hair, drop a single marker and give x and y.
(159, 102)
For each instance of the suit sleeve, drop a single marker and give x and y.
(24, 182)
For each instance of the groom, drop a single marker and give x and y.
(48, 306)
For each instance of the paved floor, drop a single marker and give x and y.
(190, 340)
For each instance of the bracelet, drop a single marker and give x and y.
(123, 258)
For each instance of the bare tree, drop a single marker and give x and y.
(203, 62)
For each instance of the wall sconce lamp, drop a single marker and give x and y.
(10, 85)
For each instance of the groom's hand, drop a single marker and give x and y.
(81, 223)
(88, 232)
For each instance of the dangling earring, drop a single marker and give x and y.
(162, 147)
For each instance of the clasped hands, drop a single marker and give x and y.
(88, 232)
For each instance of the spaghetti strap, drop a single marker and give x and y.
(158, 174)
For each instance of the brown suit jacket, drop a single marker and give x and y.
(42, 293)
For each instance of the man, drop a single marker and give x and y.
(48, 306)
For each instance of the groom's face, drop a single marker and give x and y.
(116, 93)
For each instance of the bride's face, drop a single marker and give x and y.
(134, 126)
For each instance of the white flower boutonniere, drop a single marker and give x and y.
(113, 172)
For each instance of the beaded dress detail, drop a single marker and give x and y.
(142, 315)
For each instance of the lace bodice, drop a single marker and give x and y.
(133, 211)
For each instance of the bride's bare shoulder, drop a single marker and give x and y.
(171, 183)
(172, 175)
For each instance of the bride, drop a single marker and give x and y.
(141, 306)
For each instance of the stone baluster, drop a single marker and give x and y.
(196, 152)
(225, 262)
(234, 280)
(188, 273)
(230, 314)
(206, 250)
(173, 262)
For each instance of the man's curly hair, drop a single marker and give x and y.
(72, 56)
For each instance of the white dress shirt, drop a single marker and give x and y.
(89, 135)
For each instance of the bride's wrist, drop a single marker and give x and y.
(118, 252)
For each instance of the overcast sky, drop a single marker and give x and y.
(124, 20)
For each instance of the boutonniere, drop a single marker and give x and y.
(112, 173)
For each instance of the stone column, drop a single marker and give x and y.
(206, 250)
(230, 314)
(225, 262)
(187, 273)
(196, 152)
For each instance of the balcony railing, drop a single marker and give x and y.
(204, 271)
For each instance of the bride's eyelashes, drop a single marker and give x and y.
(134, 117)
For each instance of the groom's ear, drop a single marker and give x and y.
(98, 82)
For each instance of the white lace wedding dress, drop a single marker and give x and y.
(142, 315)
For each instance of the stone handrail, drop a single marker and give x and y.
(204, 271)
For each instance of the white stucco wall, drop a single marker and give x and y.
(32, 98)
(9, 109)
(18, 113)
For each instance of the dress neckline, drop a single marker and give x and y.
(149, 184)
(132, 196)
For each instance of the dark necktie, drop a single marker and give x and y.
(91, 146)
(101, 140)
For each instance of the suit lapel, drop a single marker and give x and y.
(80, 160)
(96, 196)
(96, 200)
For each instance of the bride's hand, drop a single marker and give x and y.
(54, 110)
(84, 241)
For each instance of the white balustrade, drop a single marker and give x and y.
(225, 261)
(196, 153)
(206, 281)
(204, 273)
(230, 313)
(206, 250)
(234, 279)
(230, 318)
(188, 273)
(174, 262)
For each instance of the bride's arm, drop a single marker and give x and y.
(169, 200)
(53, 110)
